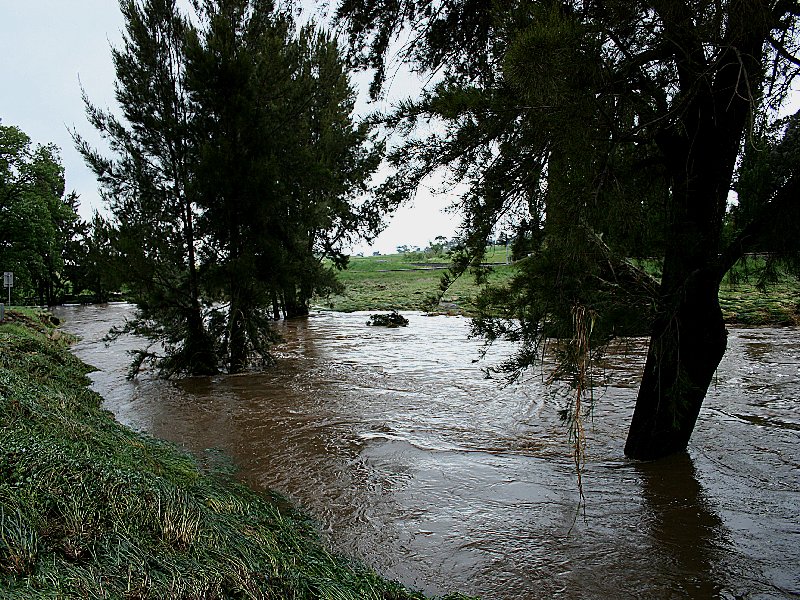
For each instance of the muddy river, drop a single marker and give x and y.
(416, 463)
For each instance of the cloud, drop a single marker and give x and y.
(46, 46)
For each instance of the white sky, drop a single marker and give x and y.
(48, 48)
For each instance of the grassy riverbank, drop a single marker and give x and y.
(409, 281)
(90, 509)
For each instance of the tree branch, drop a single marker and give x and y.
(772, 212)
(782, 51)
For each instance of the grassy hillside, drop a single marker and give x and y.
(409, 281)
(90, 509)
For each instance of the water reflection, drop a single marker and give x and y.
(688, 534)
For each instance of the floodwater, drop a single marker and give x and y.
(415, 462)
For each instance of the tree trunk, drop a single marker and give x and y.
(700, 151)
(198, 350)
(293, 306)
(685, 350)
(276, 307)
(237, 340)
(199, 347)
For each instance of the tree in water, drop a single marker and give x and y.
(617, 128)
(213, 180)
(281, 165)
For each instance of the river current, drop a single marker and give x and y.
(415, 462)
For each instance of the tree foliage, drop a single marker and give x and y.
(604, 132)
(234, 173)
(39, 225)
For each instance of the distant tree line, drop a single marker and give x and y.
(236, 176)
(440, 247)
(53, 255)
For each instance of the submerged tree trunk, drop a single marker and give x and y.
(198, 346)
(700, 152)
(292, 305)
(276, 306)
(685, 350)
(689, 337)
(237, 331)
(240, 299)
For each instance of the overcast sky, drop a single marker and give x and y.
(49, 48)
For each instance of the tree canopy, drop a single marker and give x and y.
(604, 132)
(236, 170)
(38, 219)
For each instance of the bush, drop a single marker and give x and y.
(392, 319)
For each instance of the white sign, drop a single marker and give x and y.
(8, 279)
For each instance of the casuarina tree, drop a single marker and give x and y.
(233, 175)
(605, 131)
(283, 166)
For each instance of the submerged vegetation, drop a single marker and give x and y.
(392, 319)
(91, 509)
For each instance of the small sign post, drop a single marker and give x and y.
(8, 281)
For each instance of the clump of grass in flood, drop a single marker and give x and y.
(89, 508)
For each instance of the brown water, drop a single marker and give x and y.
(414, 462)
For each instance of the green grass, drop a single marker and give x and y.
(743, 303)
(408, 282)
(90, 509)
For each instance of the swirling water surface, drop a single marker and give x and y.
(416, 463)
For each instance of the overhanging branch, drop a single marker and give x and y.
(780, 48)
